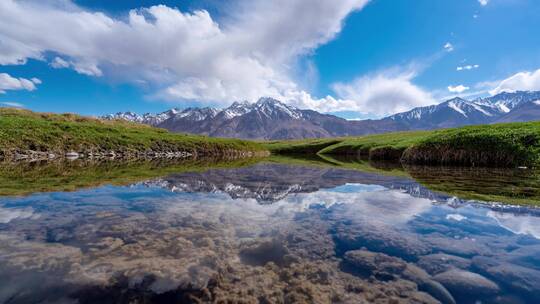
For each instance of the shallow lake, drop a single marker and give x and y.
(272, 232)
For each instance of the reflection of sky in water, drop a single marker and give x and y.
(96, 237)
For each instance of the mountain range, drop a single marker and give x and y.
(271, 119)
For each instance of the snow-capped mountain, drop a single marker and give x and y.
(507, 102)
(458, 112)
(147, 118)
(269, 118)
(129, 116)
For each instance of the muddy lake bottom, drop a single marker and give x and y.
(274, 233)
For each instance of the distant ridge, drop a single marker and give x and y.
(271, 119)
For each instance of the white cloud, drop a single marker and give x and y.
(59, 63)
(82, 67)
(448, 47)
(458, 89)
(522, 81)
(483, 2)
(12, 104)
(468, 67)
(7, 83)
(383, 93)
(182, 55)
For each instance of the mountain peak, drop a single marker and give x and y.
(268, 100)
(273, 107)
(269, 118)
(239, 104)
(457, 99)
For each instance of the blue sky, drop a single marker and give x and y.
(358, 58)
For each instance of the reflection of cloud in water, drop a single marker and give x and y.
(9, 214)
(518, 224)
(379, 207)
(456, 217)
(387, 207)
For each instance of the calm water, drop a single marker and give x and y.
(274, 233)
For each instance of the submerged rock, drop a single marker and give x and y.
(441, 262)
(383, 266)
(384, 240)
(463, 283)
(518, 277)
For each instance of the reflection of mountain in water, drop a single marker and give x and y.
(269, 183)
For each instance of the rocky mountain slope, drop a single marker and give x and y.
(271, 119)
(504, 107)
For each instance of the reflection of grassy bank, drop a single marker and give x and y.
(510, 186)
(501, 145)
(340, 162)
(27, 178)
(518, 187)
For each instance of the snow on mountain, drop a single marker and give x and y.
(269, 118)
(507, 101)
(272, 107)
(129, 116)
(457, 106)
(458, 112)
(266, 106)
(236, 109)
(196, 114)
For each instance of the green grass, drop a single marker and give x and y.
(506, 145)
(22, 130)
(503, 145)
(302, 146)
(366, 145)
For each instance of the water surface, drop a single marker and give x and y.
(276, 233)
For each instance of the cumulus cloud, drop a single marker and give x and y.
(483, 2)
(59, 63)
(383, 93)
(7, 82)
(522, 81)
(448, 47)
(458, 89)
(183, 55)
(468, 67)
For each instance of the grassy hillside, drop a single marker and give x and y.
(503, 145)
(22, 130)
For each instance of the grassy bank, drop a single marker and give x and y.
(500, 145)
(22, 131)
